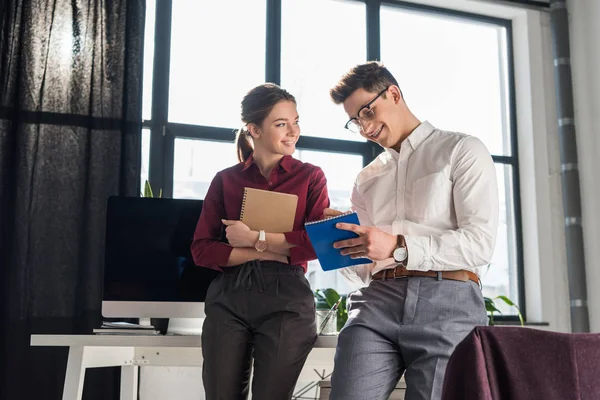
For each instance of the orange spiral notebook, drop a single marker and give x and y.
(268, 211)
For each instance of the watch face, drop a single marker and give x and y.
(260, 246)
(400, 254)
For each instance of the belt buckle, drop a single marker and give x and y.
(398, 271)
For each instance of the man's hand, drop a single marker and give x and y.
(330, 212)
(238, 234)
(372, 243)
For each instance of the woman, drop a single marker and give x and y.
(261, 306)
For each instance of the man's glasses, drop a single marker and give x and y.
(365, 113)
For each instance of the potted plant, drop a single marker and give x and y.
(490, 307)
(148, 191)
(326, 299)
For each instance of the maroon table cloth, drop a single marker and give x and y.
(515, 363)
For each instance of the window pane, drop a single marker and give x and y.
(340, 171)
(314, 59)
(196, 164)
(501, 277)
(148, 59)
(145, 158)
(217, 56)
(452, 72)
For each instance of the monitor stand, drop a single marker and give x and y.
(185, 326)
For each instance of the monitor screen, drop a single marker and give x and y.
(147, 256)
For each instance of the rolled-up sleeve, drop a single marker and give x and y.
(207, 248)
(317, 200)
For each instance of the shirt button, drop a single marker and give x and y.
(270, 183)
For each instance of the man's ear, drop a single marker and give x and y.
(254, 130)
(395, 93)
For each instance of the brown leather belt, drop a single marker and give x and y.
(401, 272)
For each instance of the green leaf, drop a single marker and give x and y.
(342, 314)
(506, 300)
(320, 300)
(511, 303)
(490, 306)
(331, 296)
(148, 190)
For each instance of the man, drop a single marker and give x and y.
(428, 208)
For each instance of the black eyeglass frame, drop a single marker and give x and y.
(355, 120)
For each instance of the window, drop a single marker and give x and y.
(196, 163)
(464, 63)
(308, 67)
(216, 56)
(454, 69)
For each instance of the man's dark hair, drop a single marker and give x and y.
(372, 77)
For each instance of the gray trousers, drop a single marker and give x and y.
(262, 312)
(403, 326)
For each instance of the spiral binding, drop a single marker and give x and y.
(243, 203)
(329, 218)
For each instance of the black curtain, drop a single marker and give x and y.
(70, 123)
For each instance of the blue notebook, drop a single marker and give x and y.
(323, 234)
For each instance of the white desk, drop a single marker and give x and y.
(131, 352)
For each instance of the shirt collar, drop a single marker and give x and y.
(285, 163)
(249, 161)
(420, 133)
(416, 137)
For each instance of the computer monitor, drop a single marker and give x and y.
(148, 268)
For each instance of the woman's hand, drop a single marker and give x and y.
(238, 234)
(330, 212)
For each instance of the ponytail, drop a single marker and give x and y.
(243, 145)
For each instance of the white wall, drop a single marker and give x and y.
(546, 289)
(585, 64)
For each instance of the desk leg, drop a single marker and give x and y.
(73, 389)
(129, 382)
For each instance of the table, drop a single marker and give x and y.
(131, 352)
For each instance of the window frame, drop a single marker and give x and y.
(163, 133)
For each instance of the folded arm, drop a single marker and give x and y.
(294, 244)
(207, 248)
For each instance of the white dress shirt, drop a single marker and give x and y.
(440, 192)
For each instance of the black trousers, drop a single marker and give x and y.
(262, 312)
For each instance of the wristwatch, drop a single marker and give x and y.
(261, 243)
(400, 254)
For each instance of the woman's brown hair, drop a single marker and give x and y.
(256, 105)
